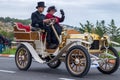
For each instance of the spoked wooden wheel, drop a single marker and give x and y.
(23, 58)
(78, 61)
(108, 64)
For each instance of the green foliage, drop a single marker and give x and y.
(9, 35)
(4, 33)
(114, 31)
(100, 28)
(88, 27)
(4, 25)
(8, 19)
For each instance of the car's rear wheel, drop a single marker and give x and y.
(54, 64)
(23, 58)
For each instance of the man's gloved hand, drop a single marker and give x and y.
(62, 12)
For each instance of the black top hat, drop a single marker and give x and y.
(52, 8)
(40, 4)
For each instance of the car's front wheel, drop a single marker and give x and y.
(109, 64)
(78, 61)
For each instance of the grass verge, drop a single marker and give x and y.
(9, 51)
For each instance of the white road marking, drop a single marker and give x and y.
(66, 79)
(12, 56)
(6, 71)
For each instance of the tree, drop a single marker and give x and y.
(100, 28)
(114, 31)
(4, 33)
(8, 19)
(1, 19)
(86, 27)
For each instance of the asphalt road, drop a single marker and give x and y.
(9, 71)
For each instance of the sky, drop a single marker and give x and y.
(76, 11)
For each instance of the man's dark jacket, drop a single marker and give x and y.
(37, 22)
(37, 19)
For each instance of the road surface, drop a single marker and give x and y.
(9, 71)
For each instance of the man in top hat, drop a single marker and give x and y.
(39, 21)
(51, 10)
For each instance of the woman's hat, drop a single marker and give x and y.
(40, 4)
(52, 8)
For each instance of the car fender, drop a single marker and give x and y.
(32, 52)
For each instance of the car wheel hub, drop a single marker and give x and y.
(77, 61)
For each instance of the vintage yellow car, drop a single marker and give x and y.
(78, 51)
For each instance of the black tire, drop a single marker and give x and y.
(77, 60)
(116, 63)
(23, 52)
(55, 64)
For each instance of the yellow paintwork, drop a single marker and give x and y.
(80, 36)
(95, 36)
